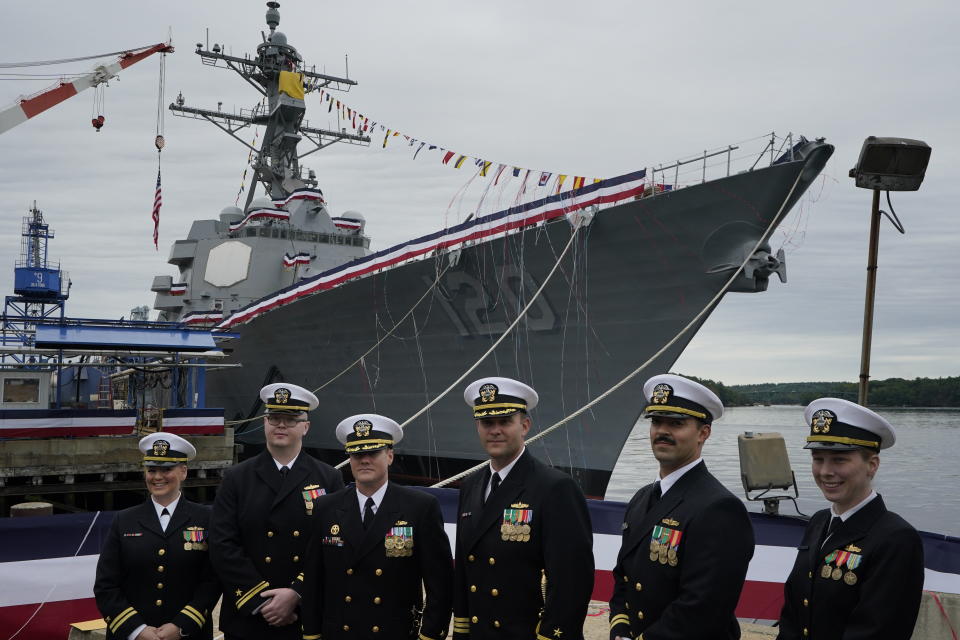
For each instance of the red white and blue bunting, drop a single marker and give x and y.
(293, 260)
(305, 194)
(261, 214)
(202, 317)
(347, 224)
(481, 229)
(178, 289)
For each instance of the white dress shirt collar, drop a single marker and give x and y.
(170, 507)
(852, 510)
(289, 465)
(377, 498)
(672, 477)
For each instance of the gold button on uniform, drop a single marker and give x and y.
(160, 552)
(296, 558)
(806, 632)
(474, 619)
(159, 602)
(349, 572)
(809, 574)
(496, 623)
(626, 578)
(296, 534)
(346, 627)
(494, 593)
(470, 558)
(376, 600)
(806, 602)
(267, 559)
(269, 534)
(473, 588)
(492, 560)
(378, 572)
(347, 599)
(639, 615)
(160, 568)
(626, 604)
(639, 587)
(376, 629)
(159, 585)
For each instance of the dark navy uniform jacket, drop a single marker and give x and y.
(499, 587)
(357, 587)
(148, 576)
(882, 598)
(693, 591)
(260, 530)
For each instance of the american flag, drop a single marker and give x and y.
(157, 201)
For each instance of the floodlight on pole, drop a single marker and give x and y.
(885, 164)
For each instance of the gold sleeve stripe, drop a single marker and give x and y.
(193, 614)
(249, 594)
(461, 620)
(684, 411)
(619, 619)
(423, 637)
(316, 636)
(122, 617)
(300, 576)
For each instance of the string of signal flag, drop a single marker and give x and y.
(363, 124)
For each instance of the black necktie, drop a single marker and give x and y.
(494, 483)
(163, 523)
(367, 513)
(283, 472)
(655, 495)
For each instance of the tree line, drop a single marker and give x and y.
(893, 392)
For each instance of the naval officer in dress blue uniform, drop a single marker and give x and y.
(524, 549)
(687, 540)
(262, 519)
(377, 548)
(859, 568)
(154, 580)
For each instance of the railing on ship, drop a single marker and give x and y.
(720, 162)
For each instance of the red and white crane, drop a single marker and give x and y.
(30, 106)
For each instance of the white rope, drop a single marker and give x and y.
(502, 337)
(44, 601)
(643, 366)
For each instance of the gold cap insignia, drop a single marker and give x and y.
(822, 420)
(488, 392)
(334, 529)
(281, 396)
(670, 522)
(362, 428)
(661, 393)
(160, 447)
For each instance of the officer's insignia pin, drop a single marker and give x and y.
(670, 522)
(822, 420)
(661, 393)
(852, 548)
(402, 523)
(334, 530)
(281, 395)
(488, 392)
(362, 428)
(160, 447)
(519, 505)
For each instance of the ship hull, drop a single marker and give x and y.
(630, 283)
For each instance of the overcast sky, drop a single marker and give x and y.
(584, 89)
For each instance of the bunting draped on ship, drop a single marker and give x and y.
(293, 260)
(178, 289)
(202, 318)
(262, 214)
(480, 229)
(347, 224)
(312, 195)
(362, 124)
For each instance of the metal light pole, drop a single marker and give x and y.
(885, 164)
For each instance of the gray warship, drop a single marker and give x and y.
(307, 301)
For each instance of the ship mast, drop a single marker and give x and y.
(277, 72)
